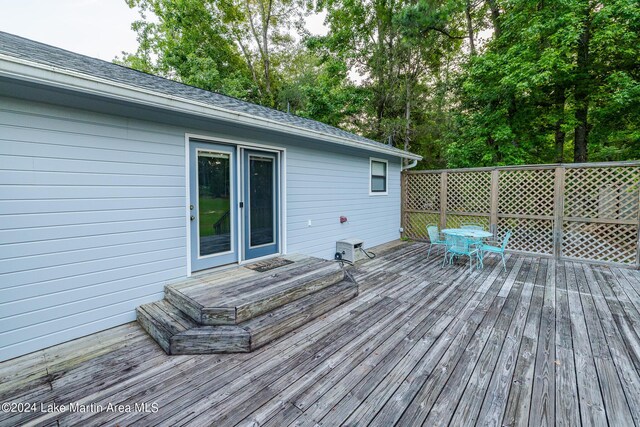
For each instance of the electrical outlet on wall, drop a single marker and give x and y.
(309, 223)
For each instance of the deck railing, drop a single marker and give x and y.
(584, 211)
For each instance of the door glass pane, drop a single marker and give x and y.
(214, 202)
(261, 201)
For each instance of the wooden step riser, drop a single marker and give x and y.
(161, 335)
(265, 336)
(244, 312)
(213, 339)
(251, 335)
(185, 304)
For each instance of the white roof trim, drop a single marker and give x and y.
(21, 69)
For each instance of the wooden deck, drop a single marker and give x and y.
(544, 343)
(233, 312)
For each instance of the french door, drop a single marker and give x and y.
(234, 215)
(260, 200)
(213, 205)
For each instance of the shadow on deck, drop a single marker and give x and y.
(545, 342)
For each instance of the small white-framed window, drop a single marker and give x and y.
(378, 177)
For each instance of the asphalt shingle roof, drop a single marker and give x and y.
(19, 47)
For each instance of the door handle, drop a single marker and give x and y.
(192, 217)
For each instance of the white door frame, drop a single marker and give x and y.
(240, 145)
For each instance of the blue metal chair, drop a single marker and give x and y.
(495, 249)
(460, 246)
(434, 238)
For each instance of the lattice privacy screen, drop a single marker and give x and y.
(601, 214)
(423, 193)
(456, 221)
(526, 202)
(526, 192)
(598, 207)
(416, 223)
(422, 204)
(469, 192)
(529, 235)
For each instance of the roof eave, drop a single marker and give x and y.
(21, 69)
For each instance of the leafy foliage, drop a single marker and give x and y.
(461, 82)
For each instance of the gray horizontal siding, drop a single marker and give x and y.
(86, 243)
(76, 326)
(92, 215)
(44, 234)
(91, 221)
(17, 177)
(86, 166)
(322, 186)
(99, 277)
(7, 207)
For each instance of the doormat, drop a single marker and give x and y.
(268, 264)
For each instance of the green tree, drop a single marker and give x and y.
(229, 46)
(559, 76)
(395, 70)
(317, 87)
(188, 41)
(462, 82)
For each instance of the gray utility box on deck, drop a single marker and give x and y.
(350, 249)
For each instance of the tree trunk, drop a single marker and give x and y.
(495, 17)
(247, 58)
(581, 94)
(407, 117)
(262, 37)
(266, 20)
(467, 12)
(379, 74)
(267, 65)
(581, 135)
(559, 100)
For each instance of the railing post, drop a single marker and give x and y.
(493, 210)
(443, 200)
(558, 211)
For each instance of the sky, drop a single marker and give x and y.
(97, 28)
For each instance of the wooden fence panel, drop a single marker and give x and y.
(601, 214)
(585, 212)
(422, 204)
(526, 206)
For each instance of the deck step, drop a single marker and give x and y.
(237, 302)
(179, 334)
(162, 320)
(269, 326)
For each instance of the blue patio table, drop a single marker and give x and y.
(474, 236)
(466, 232)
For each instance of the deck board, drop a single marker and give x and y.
(546, 342)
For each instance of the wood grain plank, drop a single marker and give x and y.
(595, 307)
(519, 400)
(494, 382)
(419, 345)
(542, 410)
(471, 377)
(566, 385)
(442, 362)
